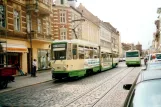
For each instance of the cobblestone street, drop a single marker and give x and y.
(100, 90)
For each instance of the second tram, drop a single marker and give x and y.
(133, 57)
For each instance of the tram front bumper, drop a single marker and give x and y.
(65, 74)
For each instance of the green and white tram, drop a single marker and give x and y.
(76, 58)
(133, 57)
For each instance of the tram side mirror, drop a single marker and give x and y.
(127, 86)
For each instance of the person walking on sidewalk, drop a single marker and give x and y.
(17, 65)
(34, 68)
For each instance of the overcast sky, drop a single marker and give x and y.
(133, 18)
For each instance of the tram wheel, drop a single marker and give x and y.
(3, 84)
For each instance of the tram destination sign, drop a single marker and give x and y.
(59, 45)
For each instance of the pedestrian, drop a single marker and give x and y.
(34, 64)
(17, 65)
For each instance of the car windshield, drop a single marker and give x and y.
(132, 54)
(147, 94)
(158, 56)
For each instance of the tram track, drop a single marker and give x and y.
(55, 83)
(112, 87)
(97, 86)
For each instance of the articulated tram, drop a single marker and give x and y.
(77, 58)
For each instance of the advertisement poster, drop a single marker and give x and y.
(89, 63)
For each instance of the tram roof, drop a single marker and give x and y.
(132, 51)
(77, 41)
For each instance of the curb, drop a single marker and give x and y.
(12, 89)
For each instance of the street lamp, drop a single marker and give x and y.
(30, 31)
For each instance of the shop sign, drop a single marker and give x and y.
(16, 49)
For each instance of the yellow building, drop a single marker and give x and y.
(21, 20)
(90, 28)
(40, 28)
(13, 31)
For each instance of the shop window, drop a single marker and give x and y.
(9, 59)
(2, 16)
(16, 20)
(43, 59)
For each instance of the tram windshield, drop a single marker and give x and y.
(59, 51)
(132, 54)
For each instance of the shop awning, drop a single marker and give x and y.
(14, 48)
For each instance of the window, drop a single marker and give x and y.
(47, 28)
(74, 51)
(62, 16)
(63, 35)
(62, 1)
(46, 2)
(132, 54)
(16, 20)
(81, 52)
(28, 23)
(2, 16)
(39, 25)
(147, 94)
(59, 51)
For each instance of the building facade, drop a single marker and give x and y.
(90, 28)
(115, 39)
(13, 30)
(105, 37)
(139, 47)
(27, 28)
(40, 29)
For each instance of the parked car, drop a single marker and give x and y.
(123, 59)
(153, 62)
(145, 91)
(120, 59)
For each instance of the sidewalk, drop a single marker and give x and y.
(23, 81)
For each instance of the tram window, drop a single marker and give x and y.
(95, 57)
(81, 56)
(91, 53)
(87, 56)
(74, 51)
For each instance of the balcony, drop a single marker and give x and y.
(20, 1)
(43, 7)
(4, 33)
(41, 37)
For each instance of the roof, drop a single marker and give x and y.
(132, 50)
(87, 14)
(149, 75)
(77, 41)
